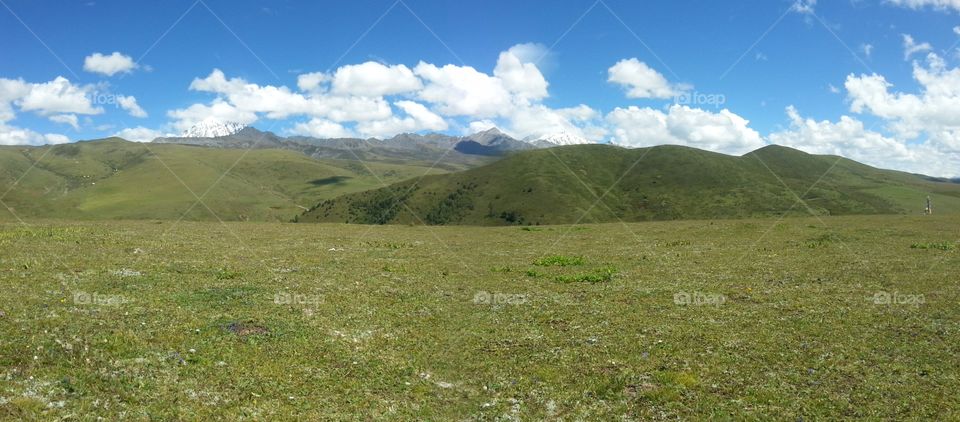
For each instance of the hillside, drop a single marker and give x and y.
(561, 184)
(116, 179)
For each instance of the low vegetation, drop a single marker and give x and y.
(688, 320)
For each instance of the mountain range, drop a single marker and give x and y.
(449, 152)
(487, 178)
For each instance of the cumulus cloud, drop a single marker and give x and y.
(418, 118)
(932, 111)
(922, 130)
(129, 103)
(518, 72)
(68, 119)
(140, 134)
(56, 97)
(682, 125)
(309, 82)
(935, 4)
(848, 137)
(109, 65)
(539, 120)
(641, 81)
(463, 91)
(372, 79)
(58, 100)
(321, 128)
(911, 47)
(243, 101)
(275, 102)
(219, 110)
(11, 135)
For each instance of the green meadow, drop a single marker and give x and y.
(816, 318)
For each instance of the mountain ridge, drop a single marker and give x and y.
(562, 186)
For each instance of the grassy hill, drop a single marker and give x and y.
(117, 179)
(560, 185)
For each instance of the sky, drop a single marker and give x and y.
(877, 81)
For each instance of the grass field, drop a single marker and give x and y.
(801, 319)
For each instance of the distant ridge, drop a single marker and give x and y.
(443, 149)
(562, 186)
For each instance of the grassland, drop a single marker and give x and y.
(804, 318)
(116, 179)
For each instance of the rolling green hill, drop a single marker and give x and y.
(116, 179)
(560, 185)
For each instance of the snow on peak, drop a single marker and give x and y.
(213, 129)
(562, 138)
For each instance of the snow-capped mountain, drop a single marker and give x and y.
(560, 138)
(212, 129)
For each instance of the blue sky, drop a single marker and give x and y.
(760, 57)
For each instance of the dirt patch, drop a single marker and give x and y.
(244, 329)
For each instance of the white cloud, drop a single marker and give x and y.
(56, 97)
(219, 110)
(538, 120)
(936, 4)
(344, 109)
(68, 119)
(933, 111)
(463, 91)
(867, 50)
(129, 103)
(681, 125)
(11, 90)
(418, 118)
(641, 81)
(372, 79)
(11, 135)
(479, 126)
(309, 82)
(276, 102)
(247, 100)
(140, 134)
(910, 47)
(519, 74)
(108, 65)
(833, 89)
(321, 128)
(849, 138)
(805, 7)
